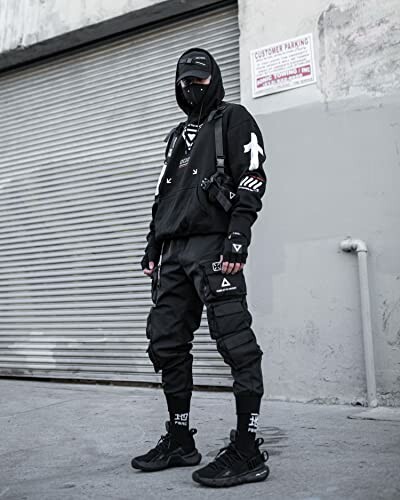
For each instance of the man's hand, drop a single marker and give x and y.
(234, 254)
(149, 260)
(150, 270)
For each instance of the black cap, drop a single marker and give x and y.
(196, 64)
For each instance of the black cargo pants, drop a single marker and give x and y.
(187, 277)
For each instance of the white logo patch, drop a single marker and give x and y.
(237, 247)
(190, 133)
(225, 283)
(231, 195)
(254, 149)
(216, 266)
(169, 180)
(195, 171)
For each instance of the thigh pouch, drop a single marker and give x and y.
(228, 317)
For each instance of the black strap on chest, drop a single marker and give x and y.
(213, 184)
(171, 139)
(216, 116)
(216, 184)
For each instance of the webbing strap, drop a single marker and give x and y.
(221, 198)
(216, 116)
(171, 138)
(219, 145)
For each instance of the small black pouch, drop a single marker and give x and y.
(220, 190)
(222, 286)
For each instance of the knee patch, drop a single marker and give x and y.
(239, 349)
(167, 359)
(230, 326)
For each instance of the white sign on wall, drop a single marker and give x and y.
(283, 65)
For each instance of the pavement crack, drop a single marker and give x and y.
(35, 409)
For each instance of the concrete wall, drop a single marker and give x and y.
(26, 22)
(334, 167)
(36, 28)
(334, 170)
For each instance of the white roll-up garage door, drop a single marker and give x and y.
(81, 147)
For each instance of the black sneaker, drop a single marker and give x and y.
(168, 453)
(232, 466)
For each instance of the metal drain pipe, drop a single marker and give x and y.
(360, 247)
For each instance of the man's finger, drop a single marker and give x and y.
(224, 267)
(241, 266)
(231, 265)
(236, 268)
(149, 272)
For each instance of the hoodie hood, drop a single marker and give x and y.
(212, 97)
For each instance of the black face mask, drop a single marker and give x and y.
(194, 93)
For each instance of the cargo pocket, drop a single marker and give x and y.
(148, 325)
(221, 286)
(227, 317)
(153, 358)
(239, 349)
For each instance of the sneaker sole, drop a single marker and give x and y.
(189, 460)
(259, 474)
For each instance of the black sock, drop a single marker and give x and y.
(247, 410)
(246, 431)
(179, 411)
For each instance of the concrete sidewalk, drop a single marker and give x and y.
(75, 441)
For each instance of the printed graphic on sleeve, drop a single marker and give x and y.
(251, 183)
(254, 148)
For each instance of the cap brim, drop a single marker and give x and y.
(197, 73)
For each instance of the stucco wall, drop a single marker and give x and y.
(334, 167)
(26, 22)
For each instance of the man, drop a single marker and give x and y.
(207, 198)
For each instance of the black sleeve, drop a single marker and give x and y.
(245, 151)
(151, 235)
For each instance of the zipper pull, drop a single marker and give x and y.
(159, 266)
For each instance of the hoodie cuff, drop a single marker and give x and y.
(240, 225)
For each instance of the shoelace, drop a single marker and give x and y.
(164, 442)
(226, 457)
(230, 454)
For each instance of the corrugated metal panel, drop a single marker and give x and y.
(81, 147)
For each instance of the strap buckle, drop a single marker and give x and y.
(220, 162)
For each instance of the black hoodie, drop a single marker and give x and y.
(181, 207)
